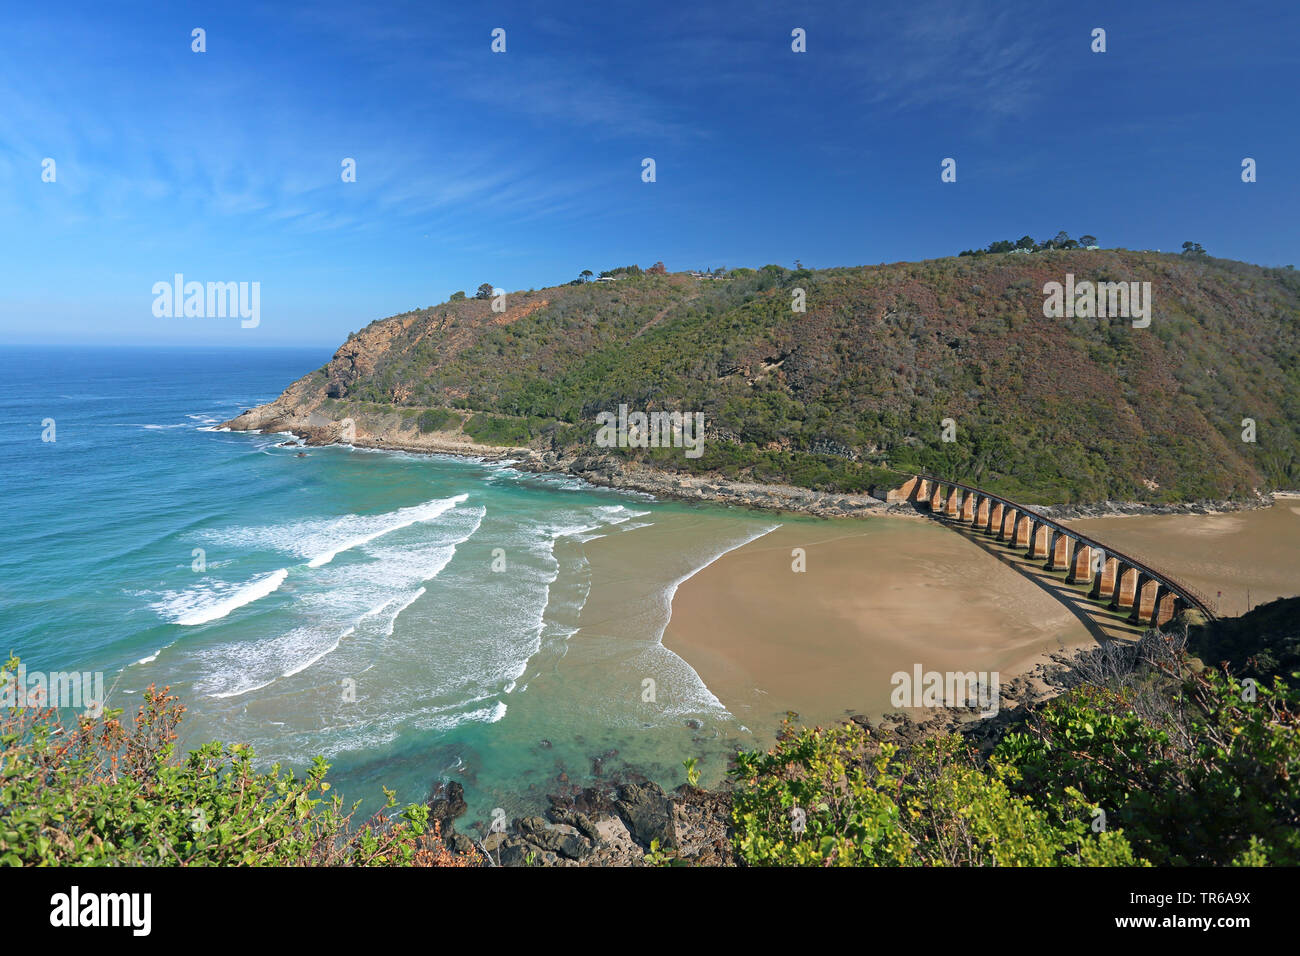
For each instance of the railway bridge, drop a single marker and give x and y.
(1123, 582)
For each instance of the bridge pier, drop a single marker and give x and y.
(1038, 540)
(1144, 602)
(994, 523)
(1081, 565)
(1168, 606)
(968, 501)
(1130, 579)
(936, 499)
(1023, 525)
(1106, 580)
(982, 505)
(954, 509)
(1058, 550)
(918, 489)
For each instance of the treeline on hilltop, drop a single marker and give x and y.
(1027, 244)
(855, 388)
(1062, 240)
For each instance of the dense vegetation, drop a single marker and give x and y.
(1152, 759)
(1062, 240)
(1050, 409)
(107, 793)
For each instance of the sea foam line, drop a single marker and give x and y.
(253, 591)
(437, 508)
(671, 591)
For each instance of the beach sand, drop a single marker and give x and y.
(882, 595)
(877, 596)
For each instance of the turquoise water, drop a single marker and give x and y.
(411, 618)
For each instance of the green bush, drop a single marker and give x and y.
(864, 804)
(438, 419)
(105, 793)
(1214, 780)
(496, 430)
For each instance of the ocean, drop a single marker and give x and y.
(411, 618)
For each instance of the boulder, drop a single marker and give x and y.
(447, 803)
(648, 812)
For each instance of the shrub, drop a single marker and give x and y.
(860, 803)
(104, 792)
(437, 419)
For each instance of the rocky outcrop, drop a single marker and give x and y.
(1103, 509)
(446, 804)
(617, 826)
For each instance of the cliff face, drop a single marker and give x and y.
(1054, 409)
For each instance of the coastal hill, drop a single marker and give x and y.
(841, 396)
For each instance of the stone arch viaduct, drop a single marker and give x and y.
(1123, 582)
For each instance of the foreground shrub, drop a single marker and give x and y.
(104, 792)
(1213, 780)
(856, 802)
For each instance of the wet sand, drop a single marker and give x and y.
(881, 595)
(877, 596)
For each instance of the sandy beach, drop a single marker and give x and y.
(877, 596)
(881, 595)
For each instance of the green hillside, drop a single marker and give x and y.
(1069, 409)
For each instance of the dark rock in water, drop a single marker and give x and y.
(695, 724)
(589, 802)
(447, 803)
(585, 826)
(515, 852)
(597, 766)
(546, 745)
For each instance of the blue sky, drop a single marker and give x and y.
(521, 169)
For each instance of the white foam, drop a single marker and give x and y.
(320, 540)
(671, 591)
(395, 520)
(204, 604)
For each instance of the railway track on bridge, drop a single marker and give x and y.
(1191, 596)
